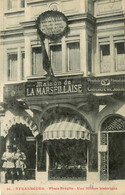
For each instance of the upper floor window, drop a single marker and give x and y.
(12, 67)
(37, 61)
(89, 54)
(120, 56)
(105, 58)
(16, 4)
(73, 56)
(56, 57)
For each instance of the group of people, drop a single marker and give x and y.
(14, 163)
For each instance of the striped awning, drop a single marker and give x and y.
(66, 130)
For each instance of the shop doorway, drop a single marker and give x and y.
(21, 136)
(116, 155)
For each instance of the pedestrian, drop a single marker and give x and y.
(8, 164)
(20, 164)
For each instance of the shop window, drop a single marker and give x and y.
(120, 56)
(23, 64)
(56, 57)
(12, 67)
(73, 56)
(105, 58)
(37, 61)
(15, 4)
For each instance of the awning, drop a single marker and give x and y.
(25, 120)
(66, 130)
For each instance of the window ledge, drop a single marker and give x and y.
(55, 75)
(15, 11)
(14, 82)
(110, 74)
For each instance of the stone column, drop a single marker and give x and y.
(112, 54)
(84, 51)
(28, 57)
(47, 159)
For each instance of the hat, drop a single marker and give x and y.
(9, 146)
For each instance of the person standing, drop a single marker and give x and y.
(8, 164)
(20, 164)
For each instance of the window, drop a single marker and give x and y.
(73, 56)
(12, 67)
(15, 4)
(120, 56)
(22, 3)
(37, 65)
(56, 57)
(89, 56)
(105, 58)
(23, 64)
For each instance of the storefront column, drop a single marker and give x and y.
(47, 159)
(103, 156)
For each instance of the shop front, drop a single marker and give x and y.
(113, 144)
(67, 147)
(20, 132)
(58, 139)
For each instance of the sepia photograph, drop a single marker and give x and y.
(62, 97)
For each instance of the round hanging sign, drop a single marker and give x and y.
(52, 24)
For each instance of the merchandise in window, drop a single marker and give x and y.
(105, 58)
(12, 67)
(120, 56)
(37, 61)
(56, 57)
(73, 56)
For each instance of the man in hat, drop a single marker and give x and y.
(8, 165)
(20, 164)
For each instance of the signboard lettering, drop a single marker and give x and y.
(106, 84)
(53, 88)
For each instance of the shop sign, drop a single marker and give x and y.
(14, 91)
(42, 88)
(52, 24)
(106, 84)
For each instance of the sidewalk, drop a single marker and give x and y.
(64, 187)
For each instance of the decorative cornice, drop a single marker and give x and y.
(110, 18)
(11, 32)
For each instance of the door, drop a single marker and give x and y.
(21, 136)
(116, 156)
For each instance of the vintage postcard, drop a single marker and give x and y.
(62, 97)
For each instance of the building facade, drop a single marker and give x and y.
(71, 126)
